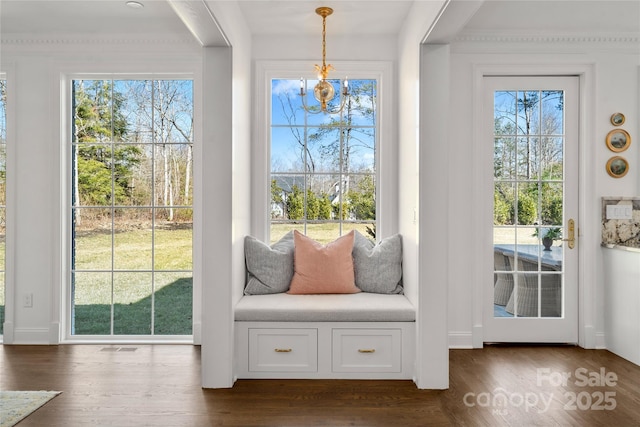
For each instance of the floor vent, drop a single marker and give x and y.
(112, 349)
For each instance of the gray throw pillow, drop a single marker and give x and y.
(378, 268)
(269, 269)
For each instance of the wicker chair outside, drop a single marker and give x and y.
(527, 294)
(503, 286)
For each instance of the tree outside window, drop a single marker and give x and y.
(131, 207)
(323, 166)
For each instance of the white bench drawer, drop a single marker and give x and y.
(367, 350)
(283, 350)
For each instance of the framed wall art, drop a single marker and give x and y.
(617, 119)
(617, 167)
(618, 140)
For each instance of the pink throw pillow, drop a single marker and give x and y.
(320, 269)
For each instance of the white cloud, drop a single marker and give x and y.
(285, 87)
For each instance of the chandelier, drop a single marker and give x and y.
(324, 91)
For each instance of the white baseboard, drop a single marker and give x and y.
(38, 336)
(601, 342)
(54, 333)
(591, 339)
(7, 333)
(197, 333)
(460, 340)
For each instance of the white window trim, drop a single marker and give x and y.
(386, 142)
(61, 304)
(8, 73)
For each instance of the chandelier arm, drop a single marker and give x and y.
(303, 95)
(343, 102)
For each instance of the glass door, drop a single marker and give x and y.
(533, 130)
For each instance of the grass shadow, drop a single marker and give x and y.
(173, 314)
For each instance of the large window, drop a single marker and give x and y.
(3, 207)
(323, 166)
(131, 207)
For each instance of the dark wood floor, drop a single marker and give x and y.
(159, 385)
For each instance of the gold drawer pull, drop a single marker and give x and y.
(283, 350)
(367, 350)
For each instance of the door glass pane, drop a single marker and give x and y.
(528, 203)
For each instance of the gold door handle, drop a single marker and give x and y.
(367, 350)
(571, 232)
(283, 350)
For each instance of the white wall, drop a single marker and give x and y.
(36, 227)
(31, 182)
(227, 178)
(424, 289)
(610, 84)
(351, 57)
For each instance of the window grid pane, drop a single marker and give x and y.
(131, 207)
(323, 166)
(528, 202)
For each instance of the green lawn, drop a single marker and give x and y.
(172, 314)
(135, 295)
(322, 232)
(132, 250)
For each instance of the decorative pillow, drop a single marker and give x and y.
(378, 268)
(322, 269)
(269, 269)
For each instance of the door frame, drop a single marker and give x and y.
(552, 329)
(588, 242)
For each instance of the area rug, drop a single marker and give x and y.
(17, 405)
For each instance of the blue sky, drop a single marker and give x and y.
(288, 130)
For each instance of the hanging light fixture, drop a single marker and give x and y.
(324, 91)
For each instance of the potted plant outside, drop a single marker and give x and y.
(548, 236)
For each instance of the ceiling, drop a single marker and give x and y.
(349, 17)
(297, 17)
(94, 17)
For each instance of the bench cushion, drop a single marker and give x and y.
(323, 269)
(361, 307)
(378, 268)
(269, 268)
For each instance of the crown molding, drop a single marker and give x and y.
(70, 40)
(557, 38)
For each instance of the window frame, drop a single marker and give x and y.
(4, 75)
(386, 151)
(66, 82)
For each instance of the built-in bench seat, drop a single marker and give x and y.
(360, 307)
(350, 336)
(302, 323)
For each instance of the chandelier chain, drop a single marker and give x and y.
(323, 90)
(324, 46)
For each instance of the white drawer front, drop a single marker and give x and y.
(367, 350)
(283, 350)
